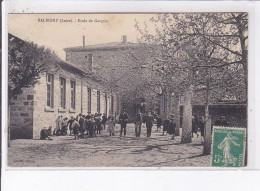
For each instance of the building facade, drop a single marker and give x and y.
(68, 90)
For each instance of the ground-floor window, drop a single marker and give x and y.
(62, 92)
(50, 88)
(73, 94)
(98, 101)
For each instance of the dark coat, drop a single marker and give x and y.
(123, 118)
(44, 134)
(139, 118)
(172, 127)
(166, 124)
(104, 119)
(159, 122)
(149, 121)
(70, 124)
(81, 123)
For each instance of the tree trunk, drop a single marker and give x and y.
(187, 117)
(177, 116)
(207, 133)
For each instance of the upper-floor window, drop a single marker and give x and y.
(89, 100)
(73, 94)
(62, 92)
(50, 88)
(98, 101)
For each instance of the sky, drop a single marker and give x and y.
(58, 35)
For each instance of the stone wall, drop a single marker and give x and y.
(21, 115)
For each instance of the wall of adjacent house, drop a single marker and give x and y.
(21, 115)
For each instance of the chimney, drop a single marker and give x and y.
(124, 39)
(83, 41)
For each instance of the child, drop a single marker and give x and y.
(166, 124)
(111, 124)
(75, 127)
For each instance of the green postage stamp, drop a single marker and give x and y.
(228, 147)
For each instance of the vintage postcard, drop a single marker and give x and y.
(127, 89)
(228, 147)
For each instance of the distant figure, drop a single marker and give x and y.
(111, 125)
(64, 125)
(224, 122)
(202, 128)
(98, 123)
(104, 120)
(159, 122)
(91, 125)
(149, 124)
(81, 121)
(70, 124)
(123, 119)
(172, 127)
(166, 124)
(76, 127)
(217, 121)
(44, 134)
(49, 130)
(138, 124)
(57, 129)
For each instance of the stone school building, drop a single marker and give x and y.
(67, 91)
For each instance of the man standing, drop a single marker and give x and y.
(166, 124)
(82, 125)
(138, 124)
(123, 119)
(159, 122)
(104, 120)
(149, 124)
(172, 127)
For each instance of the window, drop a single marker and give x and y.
(98, 101)
(112, 104)
(50, 86)
(89, 100)
(63, 93)
(73, 94)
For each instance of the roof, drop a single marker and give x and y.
(105, 46)
(81, 70)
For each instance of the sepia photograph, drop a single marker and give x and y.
(128, 89)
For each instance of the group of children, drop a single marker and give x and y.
(81, 126)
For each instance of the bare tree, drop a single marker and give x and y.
(202, 50)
